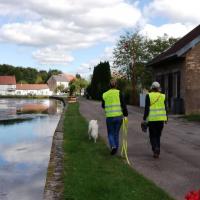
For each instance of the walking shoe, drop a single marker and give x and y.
(113, 151)
(156, 155)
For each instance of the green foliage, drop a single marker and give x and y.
(38, 79)
(72, 88)
(23, 82)
(60, 88)
(125, 87)
(133, 51)
(90, 173)
(28, 75)
(157, 46)
(100, 80)
(52, 72)
(76, 85)
(193, 117)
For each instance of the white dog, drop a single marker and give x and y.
(93, 130)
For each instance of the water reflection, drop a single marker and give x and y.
(24, 151)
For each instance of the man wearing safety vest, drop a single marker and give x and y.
(115, 109)
(155, 114)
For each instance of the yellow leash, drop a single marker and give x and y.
(124, 139)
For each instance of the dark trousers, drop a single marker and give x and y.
(113, 128)
(155, 131)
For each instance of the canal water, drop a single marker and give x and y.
(26, 130)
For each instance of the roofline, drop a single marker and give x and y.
(168, 59)
(180, 52)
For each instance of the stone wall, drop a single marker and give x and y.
(192, 81)
(54, 182)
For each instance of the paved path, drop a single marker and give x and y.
(177, 170)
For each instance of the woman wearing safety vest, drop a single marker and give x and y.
(155, 114)
(115, 109)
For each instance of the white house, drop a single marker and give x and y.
(7, 85)
(33, 89)
(57, 80)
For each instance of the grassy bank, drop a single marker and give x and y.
(193, 117)
(91, 173)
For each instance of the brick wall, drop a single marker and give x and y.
(192, 81)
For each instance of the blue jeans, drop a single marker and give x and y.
(113, 128)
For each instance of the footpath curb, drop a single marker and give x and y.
(54, 185)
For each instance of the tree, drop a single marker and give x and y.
(158, 45)
(131, 54)
(72, 88)
(29, 75)
(38, 79)
(76, 85)
(52, 72)
(100, 80)
(60, 88)
(44, 75)
(128, 56)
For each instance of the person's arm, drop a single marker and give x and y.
(123, 105)
(102, 103)
(146, 109)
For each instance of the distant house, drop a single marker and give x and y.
(57, 80)
(33, 89)
(7, 85)
(178, 71)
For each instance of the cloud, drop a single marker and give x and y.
(52, 55)
(175, 30)
(86, 69)
(177, 11)
(29, 153)
(69, 24)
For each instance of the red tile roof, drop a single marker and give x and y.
(69, 77)
(7, 80)
(31, 86)
(185, 40)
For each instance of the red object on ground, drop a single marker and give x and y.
(193, 195)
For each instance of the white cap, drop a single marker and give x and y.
(155, 85)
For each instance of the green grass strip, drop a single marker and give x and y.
(193, 117)
(91, 173)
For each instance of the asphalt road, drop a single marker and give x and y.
(177, 170)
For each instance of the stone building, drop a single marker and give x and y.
(178, 71)
(60, 79)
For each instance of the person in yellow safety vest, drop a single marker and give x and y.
(155, 114)
(115, 109)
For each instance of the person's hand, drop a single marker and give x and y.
(125, 119)
(144, 122)
(144, 125)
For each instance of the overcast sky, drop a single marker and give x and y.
(74, 35)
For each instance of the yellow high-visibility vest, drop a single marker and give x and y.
(112, 103)
(157, 111)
